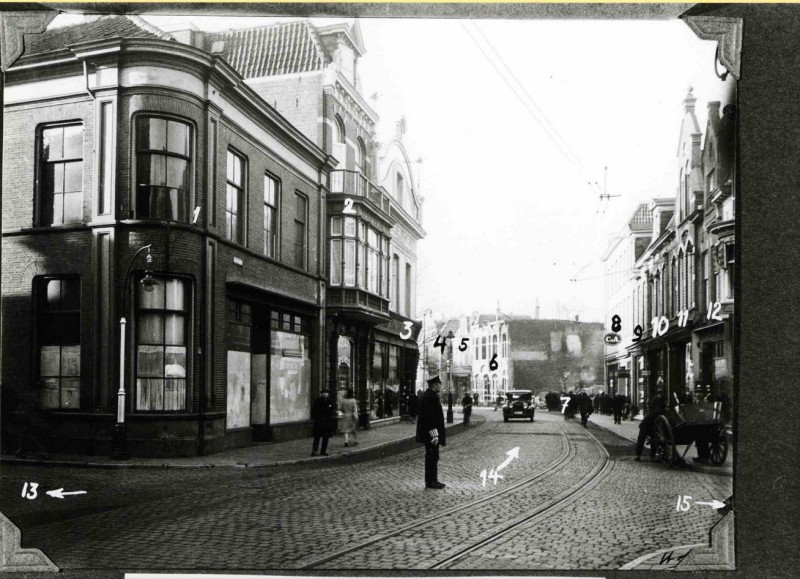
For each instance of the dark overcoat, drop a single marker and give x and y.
(431, 416)
(323, 413)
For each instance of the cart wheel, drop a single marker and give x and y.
(505, 418)
(718, 448)
(665, 440)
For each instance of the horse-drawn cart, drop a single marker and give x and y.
(687, 424)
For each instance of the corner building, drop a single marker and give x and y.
(310, 74)
(118, 138)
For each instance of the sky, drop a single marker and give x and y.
(516, 122)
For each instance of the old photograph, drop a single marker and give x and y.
(317, 292)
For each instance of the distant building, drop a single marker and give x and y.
(619, 260)
(519, 352)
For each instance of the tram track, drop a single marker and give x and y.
(495, 500)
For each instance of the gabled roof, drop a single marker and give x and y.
(57, 40)
(283, 48)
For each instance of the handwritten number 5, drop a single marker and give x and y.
(463, 346)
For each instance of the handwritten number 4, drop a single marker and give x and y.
(440, 344)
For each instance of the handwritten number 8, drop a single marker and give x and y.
(616, 323)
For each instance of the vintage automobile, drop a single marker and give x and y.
(519, 404)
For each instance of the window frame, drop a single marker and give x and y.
(275, 254)
(299, 196)
(241, 213)
(40, 310)
(135, 128)
(188, 321)
(40, 173)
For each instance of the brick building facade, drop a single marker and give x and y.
(118, 138)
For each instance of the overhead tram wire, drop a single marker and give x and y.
(568, 153)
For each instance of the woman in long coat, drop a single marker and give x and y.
(347, 423)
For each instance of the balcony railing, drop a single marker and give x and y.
(355, 184)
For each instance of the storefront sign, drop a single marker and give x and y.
(612, 338)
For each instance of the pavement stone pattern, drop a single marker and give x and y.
(290, 516)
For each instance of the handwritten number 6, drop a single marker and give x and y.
(493, 363)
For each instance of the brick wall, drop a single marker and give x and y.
(298, 99)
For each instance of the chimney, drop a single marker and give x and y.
(713, 110)
(537, 307)
(688, 101)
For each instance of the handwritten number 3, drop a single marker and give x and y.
(404, 335)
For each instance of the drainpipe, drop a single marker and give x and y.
(86, 80)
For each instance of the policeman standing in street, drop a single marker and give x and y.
(431, 431)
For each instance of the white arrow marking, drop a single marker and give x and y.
(59, 493)
(715, 504)
(512, 454)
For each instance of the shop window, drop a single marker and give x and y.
(163, 168)
(234, 198)
(60, 174)
(162, 328)
(271, 188)
(58, 337)
(719, 349)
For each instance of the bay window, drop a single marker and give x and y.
(163, 168)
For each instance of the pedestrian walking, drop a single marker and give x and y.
(347, 424)
(498, 403)
(431, 431)
(618, 406)
(323, 413)
(647, 426)
(585, 407)
(466, 404)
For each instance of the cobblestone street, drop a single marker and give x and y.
(596, 508)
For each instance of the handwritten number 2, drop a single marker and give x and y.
(348, 207)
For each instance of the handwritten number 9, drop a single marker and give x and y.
(638, 331)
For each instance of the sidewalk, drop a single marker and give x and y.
(629, 429)
(375, 440)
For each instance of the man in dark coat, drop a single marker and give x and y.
(323, 413)
(658, 407)
(585, 407)
(466, 404)
(618, 404)
(431, 431)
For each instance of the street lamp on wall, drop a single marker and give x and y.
(148, 283)
(451, 337)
